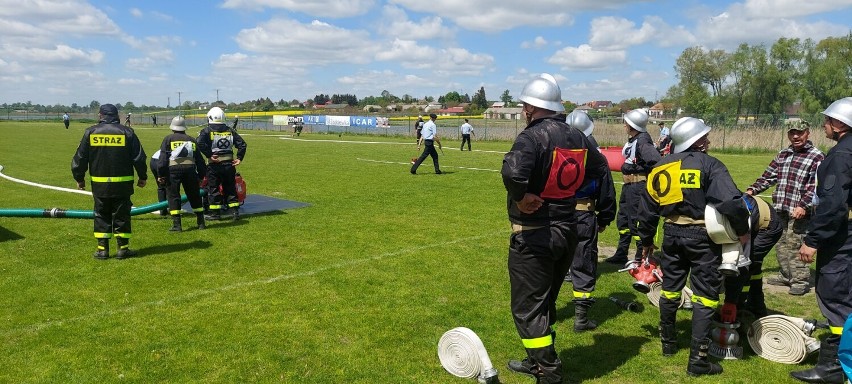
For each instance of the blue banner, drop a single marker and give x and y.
(314, 119)
(362, 121)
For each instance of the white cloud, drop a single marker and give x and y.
(136, 12)
(322, 8)
(61, 54)
(130, 81)
(502, 15)
(373, 82)
(780, 9)
(443, 61)
(614, 33)
(317, 43)
(538, 42)
(729, 29)
(395, 23)
(585, 57)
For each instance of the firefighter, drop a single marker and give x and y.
(829, 237)
(110, 152)
(640, 155)
(217, 142)
(596, 206)
(181, 164)
(678, 189)
(541, 173)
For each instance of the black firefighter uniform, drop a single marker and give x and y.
(110, 152)
(219, 140)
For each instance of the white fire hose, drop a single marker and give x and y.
(654, 296)
(782, 339)
(463, 355)
(720, 231)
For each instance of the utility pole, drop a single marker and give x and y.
(217, 95)
(168, 102)
(179, 104)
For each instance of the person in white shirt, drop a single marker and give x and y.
(466, 131)
(429, 135)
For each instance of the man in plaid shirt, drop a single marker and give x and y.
(793, 171)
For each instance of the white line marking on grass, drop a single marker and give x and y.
(443, 166)
(207, 292)
(347, 141)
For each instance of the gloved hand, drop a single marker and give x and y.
(729, 313)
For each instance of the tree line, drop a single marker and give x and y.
(761, 80)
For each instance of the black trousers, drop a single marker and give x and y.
(428, 150)
(752, 276)
(538, 262)
(584, 267)
(834, 283)
(183, 175)
(688, 251)
(66, 123)
(162, 190)
(465, 138)
(112, 217)
(222, 174)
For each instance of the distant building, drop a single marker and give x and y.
(504, 113)
(498, 104)
(600, 105)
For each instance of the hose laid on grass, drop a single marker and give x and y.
(782, 339)
(463, 355)
(654, 296)
(12, 179)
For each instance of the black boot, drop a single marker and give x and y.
(638, 256)
(755, 302)
(699, 364)
(581, 322)
(236, 213)
(176, 226)
(620, 256)
(827, 369)
(199, 219)
(668, 336)
(124, 251)
(103, 249)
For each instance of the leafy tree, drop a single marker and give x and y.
(479, 101)
(506, 98)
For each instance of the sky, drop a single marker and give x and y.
(157, 52)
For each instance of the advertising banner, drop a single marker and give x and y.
(315, 119)
(279, 120)
(362, 121)
(337, 121)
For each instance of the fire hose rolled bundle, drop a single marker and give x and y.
(462, 354)
(721, 232)
(654, 296)
(782, 339)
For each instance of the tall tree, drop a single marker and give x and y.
(479, 101)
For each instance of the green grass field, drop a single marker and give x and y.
(356, 288)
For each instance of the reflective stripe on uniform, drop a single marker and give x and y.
(111, 179)
(836, 330)
(759, 276)
(624, 231)
(582, 295)
(199, 209)
(705, 301)
(174, 212)
(215, 206)
(233, 205)
(746, 288)
(102, 235)
(637, 238)
(124, 235)
(670, 295)
(538, 342)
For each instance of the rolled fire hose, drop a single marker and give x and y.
(654, 296)
(74, 214)
(782, 339)
(720, 231)
(462, 354)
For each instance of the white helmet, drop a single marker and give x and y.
(686, 131)
(543, 92)
(638, 119)
(581, 121)
(841, 110)
(215, 116)
(178, 124)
